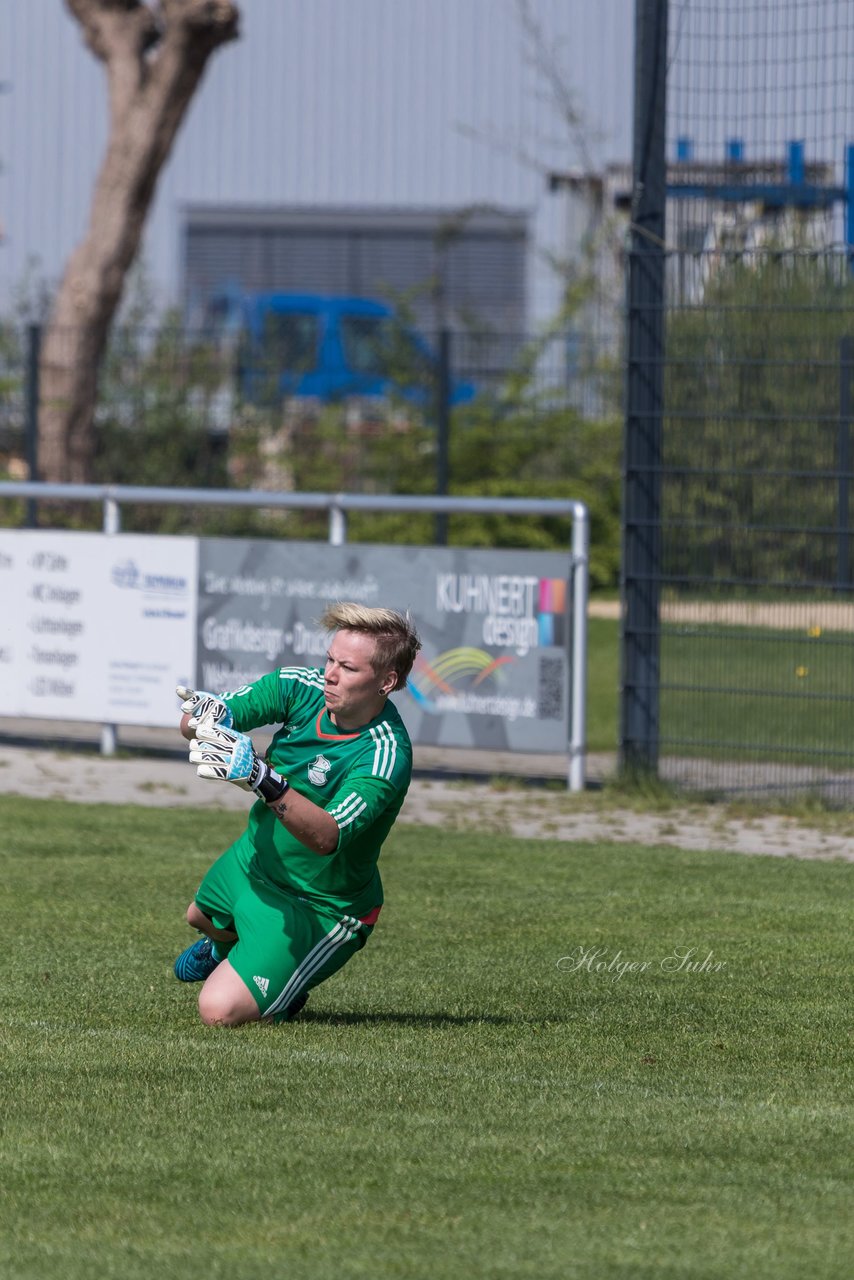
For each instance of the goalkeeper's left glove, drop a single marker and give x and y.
(227, 756)
(203, 707)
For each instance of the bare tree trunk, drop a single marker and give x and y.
(155, 55)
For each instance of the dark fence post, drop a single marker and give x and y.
(843, 560)
(639, 707)
(443, 431)
(34, 342)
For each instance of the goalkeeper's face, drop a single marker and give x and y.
(355, 691)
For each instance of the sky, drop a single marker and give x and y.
(410, 103)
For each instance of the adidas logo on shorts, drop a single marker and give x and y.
(262, 983)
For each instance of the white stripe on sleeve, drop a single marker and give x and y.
(385, 751)
(349, 810)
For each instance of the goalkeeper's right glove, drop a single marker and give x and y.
(204, 708)
(226, 756)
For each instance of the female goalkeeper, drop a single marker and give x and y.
(299, 892)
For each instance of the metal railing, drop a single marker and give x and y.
(338, 505)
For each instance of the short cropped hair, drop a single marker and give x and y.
(397, 641)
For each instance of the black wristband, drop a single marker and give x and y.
(272, 786)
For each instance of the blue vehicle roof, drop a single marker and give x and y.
(316, 302)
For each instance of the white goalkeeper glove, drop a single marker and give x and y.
(203, 707)
(227, 756)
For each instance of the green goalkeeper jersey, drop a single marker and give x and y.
(359, 778)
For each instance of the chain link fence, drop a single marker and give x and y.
(739, 666)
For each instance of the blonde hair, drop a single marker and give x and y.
(396, 639)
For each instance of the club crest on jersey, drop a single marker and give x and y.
(318, 771)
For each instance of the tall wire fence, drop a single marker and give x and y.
(749, 651)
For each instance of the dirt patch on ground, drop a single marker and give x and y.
(801, 615)
(529, 812)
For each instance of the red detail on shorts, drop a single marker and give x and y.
(371, 917)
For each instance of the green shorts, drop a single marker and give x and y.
(285, 944)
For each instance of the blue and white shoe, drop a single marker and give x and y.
(196, 963)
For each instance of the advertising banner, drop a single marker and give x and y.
(94, 627)
(493, 672)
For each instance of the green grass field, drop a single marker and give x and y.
(472, 1096)
(786, 693)
(603, 647)
(736, 693)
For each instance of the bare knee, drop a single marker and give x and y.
(225, 1001)
(215, 1011)
(214, 1014)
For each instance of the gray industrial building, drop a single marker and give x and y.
(451, 269)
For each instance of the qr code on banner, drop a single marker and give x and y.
(550, 699)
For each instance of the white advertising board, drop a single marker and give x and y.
(94, 627)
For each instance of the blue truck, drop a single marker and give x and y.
(327, 348)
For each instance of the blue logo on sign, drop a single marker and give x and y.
(126, 574)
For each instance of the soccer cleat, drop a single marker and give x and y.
(196, 963)
(296, 1006)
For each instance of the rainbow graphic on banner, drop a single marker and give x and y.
(465, 669)
(452, 670)
(552, 610)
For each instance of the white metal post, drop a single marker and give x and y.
(578, 698)
(112, 525)
(337, 526)
(112, 516)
